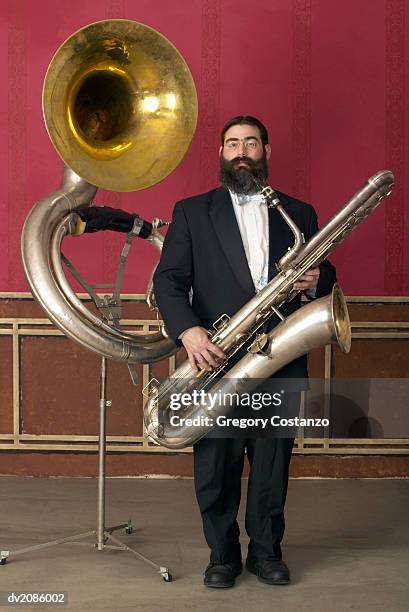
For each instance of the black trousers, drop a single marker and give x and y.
(218, 467)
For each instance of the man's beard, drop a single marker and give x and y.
(244, 180)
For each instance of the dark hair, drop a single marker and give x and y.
(245, 120)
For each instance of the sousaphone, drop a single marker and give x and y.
(120, 108)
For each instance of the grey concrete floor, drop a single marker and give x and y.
(346, 544)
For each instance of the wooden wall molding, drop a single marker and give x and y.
(49, 402)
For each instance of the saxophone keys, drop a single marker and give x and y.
(259, 346)
(151, 389)
(221, 322)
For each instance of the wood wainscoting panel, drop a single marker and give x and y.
(60, 390)
(6, 384)
(374, 358)
(51, 386)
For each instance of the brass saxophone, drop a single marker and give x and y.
(323, 321)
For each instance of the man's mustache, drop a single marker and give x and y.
(250, 162)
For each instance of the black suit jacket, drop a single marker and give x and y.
(203, 250)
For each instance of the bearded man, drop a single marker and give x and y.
(224, 245)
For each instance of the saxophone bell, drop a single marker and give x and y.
(320, 322)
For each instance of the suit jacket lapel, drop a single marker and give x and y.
(227, 230)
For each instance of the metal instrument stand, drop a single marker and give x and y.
(110, 308)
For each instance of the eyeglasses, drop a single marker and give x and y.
(250, 144)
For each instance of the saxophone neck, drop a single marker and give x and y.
(273, 201)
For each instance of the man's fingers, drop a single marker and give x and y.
(202, 363)
(308, 280)
(301, 286)
(215, 349)
(201, 351)
(308, 277)
(204, 360)
(209, 358)
(192, 361)
(310, 274)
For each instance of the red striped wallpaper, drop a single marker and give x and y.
(328, 78)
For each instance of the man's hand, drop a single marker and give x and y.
(308, 280)
(200, 351)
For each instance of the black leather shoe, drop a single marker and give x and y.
(222, 575)
(269, 571)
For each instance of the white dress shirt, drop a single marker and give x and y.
(252, 218)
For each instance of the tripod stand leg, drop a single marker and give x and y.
(163, 571)
(101, 456)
